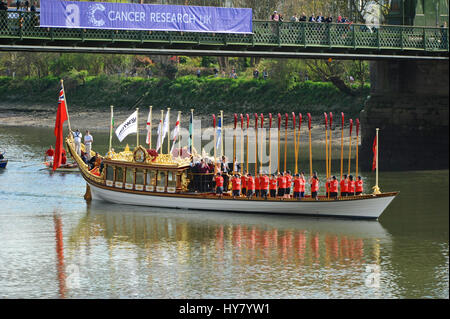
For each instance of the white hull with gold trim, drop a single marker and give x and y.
(370, 208)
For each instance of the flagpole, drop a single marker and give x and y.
(261, 144)
(256, 144)
(342, 144)
(310, 150)
(270, 153)
(179, 134)
(111, 128)
(350, 147)
(191, 128)
(150, 124)
(222, 128)
(137, 127)
(168, 131)
(65, 102)
(357, 133)
(376, 188)
(160, 132)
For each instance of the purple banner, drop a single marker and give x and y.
(130, 16)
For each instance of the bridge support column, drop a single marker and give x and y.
(409, 103)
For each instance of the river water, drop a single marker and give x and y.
(55, 245)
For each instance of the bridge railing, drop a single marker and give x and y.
(25, 25)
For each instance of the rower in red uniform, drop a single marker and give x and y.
(236, 185)
(244, 184)
(273, 186)
(327, 186)
(302, 185)
(281, 185)
(289, 180)
(334, 185)
(257, 185)
(359, 186)
(250, 185)
(63, 158)
(297, 186)
(351, 186)
(49, 154)
(314, 181)
(344, 185)
(219, 185)
(264, 185)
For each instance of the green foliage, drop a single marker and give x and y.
(205, 94)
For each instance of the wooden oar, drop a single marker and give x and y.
(298, 141)
(342, 144)
(261, 144)
(248, 122)
(256, 144)
(270, 154)
(286, 116)
(279, 129)
(234, 142)
(295, 141)
(242, 144)
(329, 152)
(350, 147)
(310, 149)
(214, 146)
(357, 132)
(326, 144)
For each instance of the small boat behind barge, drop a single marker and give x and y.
(137, 178)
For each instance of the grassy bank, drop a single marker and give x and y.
(207, 95)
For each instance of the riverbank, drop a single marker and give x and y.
(206, 95)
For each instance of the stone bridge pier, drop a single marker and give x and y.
(409, 103)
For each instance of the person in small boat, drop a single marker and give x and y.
(351, 186)
(49, 154)
(84, 157)
(264, 186)
(359, 188)
(257, 185)
(273, 186)
(289, 181)
(236, 185)
(1, 156)
(334, 185)
(225, 169)
(219, 185)
(281, 185)
(63, 157)
(244, 184)
(344, 185)
(314, 182)
(94, 161)
(302, 184)
(250, 186)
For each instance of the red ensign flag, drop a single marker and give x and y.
(374, 149)
(61, 117)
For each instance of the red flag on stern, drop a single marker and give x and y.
(374, 149)
(61, 117)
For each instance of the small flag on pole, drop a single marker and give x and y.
(175, 133)
(127, 127)
(149, 128)
(219, 131)
(374, 149)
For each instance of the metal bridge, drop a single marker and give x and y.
(20, 31)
